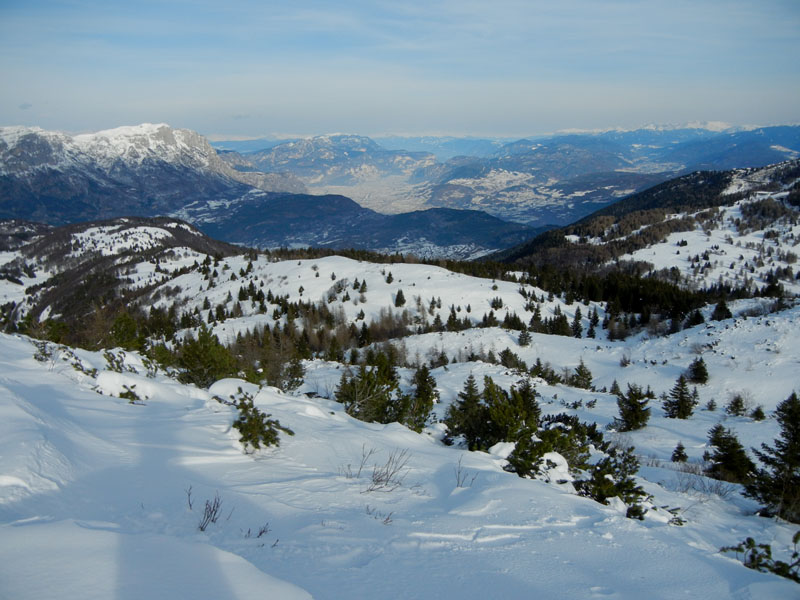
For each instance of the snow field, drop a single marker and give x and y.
(94, 500)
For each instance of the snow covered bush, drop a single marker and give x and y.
(204, 359)
(612, 477)
(255, 427)
(759, 557)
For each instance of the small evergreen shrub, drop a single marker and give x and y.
(737, 406)
(729, 461)
(777, 484)
(759, 557)
(256, 429)
(697, 372)
(681, 402)
(679, 454)
(721, 312)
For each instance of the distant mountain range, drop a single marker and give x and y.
(151, 170)
(405, 200)
(542, 180)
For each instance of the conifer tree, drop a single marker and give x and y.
(694, 318)
(633, 410)
(697, 372)
(204, 359)
(582, 377)
(467, 416)
(721, 311)
(679, 454)
(729, 461)
(757, 414)
(680, 403)
(453, 322)
(777, 485)
(613, 476)
(736, 407)
(422, 400)
(368, 395)
(399, 299)
(577, 328)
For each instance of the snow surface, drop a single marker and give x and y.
(94, 490)
(101, 497)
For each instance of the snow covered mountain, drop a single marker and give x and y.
(151, 170)
(143, 170)
(733, 227)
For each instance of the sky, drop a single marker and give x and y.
(265, 68)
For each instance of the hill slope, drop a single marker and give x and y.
(701, 201)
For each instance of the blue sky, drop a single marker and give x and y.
(247, 68)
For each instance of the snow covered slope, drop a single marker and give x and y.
(103, 498)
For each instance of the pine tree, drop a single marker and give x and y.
(524, 338)
(721, 311)
(453, 322)
(577, 328)
(679, 454)
(697, 372)
(633, 410)
(205, 360)
(368, 396)
(582, 378)
(679, 404)
(422, 400)
(778, 484)
(729, 461)
(399, 299)
(694, 318)
(613, 476)
(757, 414)
(736, 407)
(467, 416)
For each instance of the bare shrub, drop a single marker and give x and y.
(463, 477)
(211, 512)
(690, 480)
(390, 476)
(348, 471)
